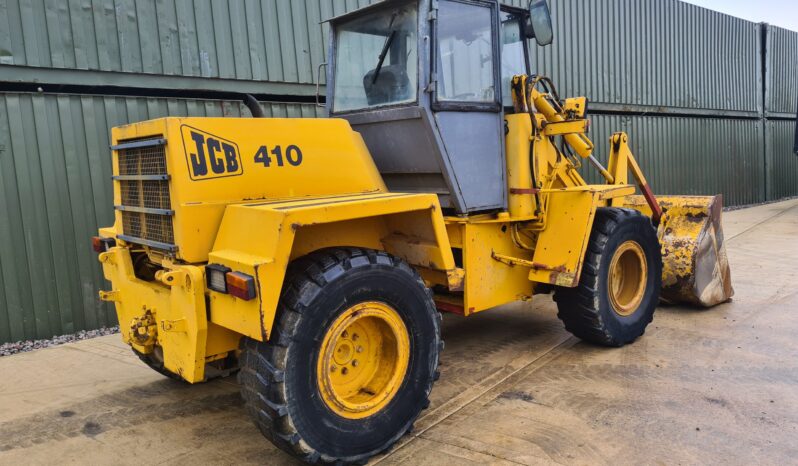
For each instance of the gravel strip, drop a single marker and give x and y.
(7, 349)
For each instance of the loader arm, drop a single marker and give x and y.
(567, 119)
(621, 162)
(695, 266)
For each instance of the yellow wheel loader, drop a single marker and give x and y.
(314, 256)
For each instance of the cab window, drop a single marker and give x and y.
(465, 53)
(376, 61)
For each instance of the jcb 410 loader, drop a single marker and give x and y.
(314, 256)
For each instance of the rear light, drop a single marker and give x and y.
(215, 277)
(223, 280)
(100, 244)
(241, 285)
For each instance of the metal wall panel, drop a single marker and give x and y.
(782, 160)
(263, 40)
(781, 58)
(656, 53)
(682, 155)
(55, 190)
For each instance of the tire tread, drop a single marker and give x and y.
(576, 306)
(265, 396)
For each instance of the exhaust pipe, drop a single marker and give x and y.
(253, 106)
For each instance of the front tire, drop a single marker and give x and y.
(619, 286)
(351, 361)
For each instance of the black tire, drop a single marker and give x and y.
(155, 361)
(278, 378)
(587, 310)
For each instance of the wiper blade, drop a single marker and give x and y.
(383, 54)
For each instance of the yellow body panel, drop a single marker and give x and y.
(178, 310)
(489, 282)
(561, 245)
(333, 161)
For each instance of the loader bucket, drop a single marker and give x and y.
(695, 268)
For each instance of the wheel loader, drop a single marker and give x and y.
(315, 256)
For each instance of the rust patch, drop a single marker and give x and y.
(524, 191)
(456, 281)
(449, 307)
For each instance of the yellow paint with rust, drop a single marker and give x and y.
(695, 267)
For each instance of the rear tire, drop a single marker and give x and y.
(285, 383)
(619, 286)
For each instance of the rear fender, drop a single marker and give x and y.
(261, 239)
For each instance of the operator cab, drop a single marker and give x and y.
(426, 83)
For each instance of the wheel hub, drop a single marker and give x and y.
(363, 360)
(628, 275)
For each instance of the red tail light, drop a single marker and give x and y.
(100, 244)
(240, 285)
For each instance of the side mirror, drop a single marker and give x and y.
(539, 25)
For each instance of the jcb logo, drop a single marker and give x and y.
(210, 156)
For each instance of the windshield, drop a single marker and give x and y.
(513, 56)
(376, 61)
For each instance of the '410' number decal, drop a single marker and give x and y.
(292, 155)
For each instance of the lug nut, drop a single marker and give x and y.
(333, 368)
(344, 371)
(345, 334)
(355, 336)
(354, 363)
(359, 349)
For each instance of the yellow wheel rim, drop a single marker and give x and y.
(363, 360)
(627, 279)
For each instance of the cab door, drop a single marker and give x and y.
(466, 98)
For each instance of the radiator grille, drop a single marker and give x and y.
(143, 161)
(144, 189)
(152, 194)
(150, 227)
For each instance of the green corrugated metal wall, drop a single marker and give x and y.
(639, 62)
(55, 190)
(264, 40)
(780, 134)
(667, 147)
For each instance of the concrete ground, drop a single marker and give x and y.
(702, 386)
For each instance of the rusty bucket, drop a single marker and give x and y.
(695, 268)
